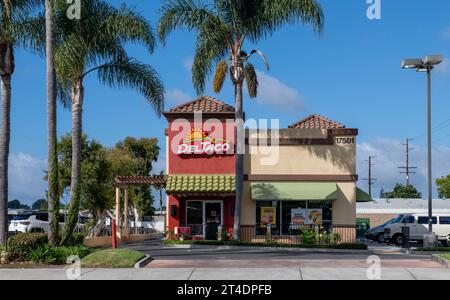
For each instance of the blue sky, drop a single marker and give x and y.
(351, 73)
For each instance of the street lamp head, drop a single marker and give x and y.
(412, 63)
(433, 60)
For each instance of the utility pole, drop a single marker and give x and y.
(407, 169)
(370, 180)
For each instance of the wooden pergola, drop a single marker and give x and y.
(123, 183)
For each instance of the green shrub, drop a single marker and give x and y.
(52, 255)
(20, 246)
(308, 237)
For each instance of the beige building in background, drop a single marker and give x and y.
(312, 164)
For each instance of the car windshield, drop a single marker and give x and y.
(21, 217)
(391, 221)
(397, 220)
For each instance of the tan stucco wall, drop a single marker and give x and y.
(344, 208)
(301, 159)
(305, 160)
(377, 219)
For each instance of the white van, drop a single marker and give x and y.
(418, 227)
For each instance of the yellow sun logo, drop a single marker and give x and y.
(196, 134)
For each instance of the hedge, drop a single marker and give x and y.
(20, 246)
(357, 246)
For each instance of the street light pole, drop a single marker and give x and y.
(430, 178)
(426, 65)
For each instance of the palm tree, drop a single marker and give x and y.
(95, 44)
(53, 194)
(17, 29)
(222, 28)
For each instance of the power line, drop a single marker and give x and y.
(407, 169)
(370, 180)
(435, 128)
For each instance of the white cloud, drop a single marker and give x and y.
(444, 67)
(176, 97)
(26, 175)
(273, 92)
(389, 155)
(188, 62)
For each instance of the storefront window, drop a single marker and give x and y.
(194, 217)
(284, 221)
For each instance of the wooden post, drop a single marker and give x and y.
(118, 211)
(126, 213)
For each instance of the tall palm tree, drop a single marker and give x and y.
(17, 29)
(53, 193)
(222, 28)
(95, 44)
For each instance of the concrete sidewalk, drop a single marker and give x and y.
(287, 273)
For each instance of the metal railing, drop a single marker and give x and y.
(333, 234)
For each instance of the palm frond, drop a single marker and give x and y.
(127, 25)
(252, 80)
(129, 73)
(220, 76)
(182, 14)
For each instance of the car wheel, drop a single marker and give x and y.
(397, 239)
(380, 238)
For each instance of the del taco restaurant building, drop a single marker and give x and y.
(312, 180)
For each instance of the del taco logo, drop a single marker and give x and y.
(198, 142)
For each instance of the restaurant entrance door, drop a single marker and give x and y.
(204, 218)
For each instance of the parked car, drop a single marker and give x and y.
(377, 233)
(34, 222)
(418, 227)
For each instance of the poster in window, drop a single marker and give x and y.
(300, 217)
(314, 216)
(268, 216)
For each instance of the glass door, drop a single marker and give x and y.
(212, 219)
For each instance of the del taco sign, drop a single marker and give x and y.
(199, 142)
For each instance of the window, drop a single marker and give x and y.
(194, 217)
(424, 220)
(42, 217)
(408, 220)
(444, 220)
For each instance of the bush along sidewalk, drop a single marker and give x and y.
(357, 246)
(34, 248)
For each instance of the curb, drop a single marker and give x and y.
(143, 262)
(303, 250)
(442, 261)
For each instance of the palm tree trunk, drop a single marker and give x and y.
(240, 146)
(53, 184)
(77, 123)
(4, 155)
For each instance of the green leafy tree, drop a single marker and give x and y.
(40, 204)
(403, 192)
(95, 175)
(144, 152)
(18, 28)
(443, 185)
(16, 204)
(222, 28)
(95, 45)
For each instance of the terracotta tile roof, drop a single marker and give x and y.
(316, 122)
(204, 104)
(159, 180)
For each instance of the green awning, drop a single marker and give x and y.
(362, 196)
(201, 184)
(294, 191)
